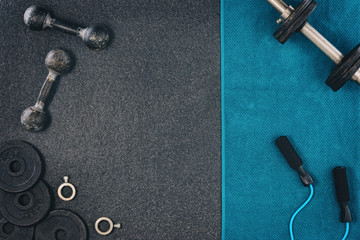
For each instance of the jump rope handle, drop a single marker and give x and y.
(342, 193)
(293, 159)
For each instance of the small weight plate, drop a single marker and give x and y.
(25, 208)
(344, 70)
(295, 21)
(20, 166)
(9, 231)
(61, 224)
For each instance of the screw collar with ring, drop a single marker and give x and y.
(66, 184)
(111, 227)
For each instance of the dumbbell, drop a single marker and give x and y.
(295, 20)
(34, 118)
(38, 18)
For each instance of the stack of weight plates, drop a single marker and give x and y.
(25, 199)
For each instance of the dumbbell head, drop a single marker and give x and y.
(35, 17)
(34, 120)
(58, 61)
(95, 37)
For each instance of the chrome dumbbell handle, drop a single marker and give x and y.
(61, 25)
(45, 90)
(71, 29)
(313, 35)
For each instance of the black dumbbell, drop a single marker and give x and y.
(34, 118)
(38, 18)
(295, 20)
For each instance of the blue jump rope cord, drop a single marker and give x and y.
(302, 207)
(297, 211)
(347, 231)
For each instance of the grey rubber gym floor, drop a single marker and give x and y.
(136, 126)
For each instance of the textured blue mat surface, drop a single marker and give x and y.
(271, 90)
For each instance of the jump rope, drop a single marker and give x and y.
(340, 179)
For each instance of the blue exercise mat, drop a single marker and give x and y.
(269, 90)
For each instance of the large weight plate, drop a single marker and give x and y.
(61, 224)
(9, 231)
(25, 208)
(344, 70)
(295, 21)
(20, 166)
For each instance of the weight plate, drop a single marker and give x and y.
(295, 21)
(9, 231)
(25, 208)
(344, 70)
(20, 166)
(61, 224)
